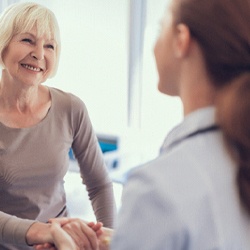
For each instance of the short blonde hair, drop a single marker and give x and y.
(23, 17)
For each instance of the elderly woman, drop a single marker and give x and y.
(38, 126)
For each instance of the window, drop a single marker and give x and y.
(93, 63)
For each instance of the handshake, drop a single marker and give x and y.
(69, 234)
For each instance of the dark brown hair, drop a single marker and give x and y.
(222, 29)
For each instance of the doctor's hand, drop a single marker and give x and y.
(62, 240)
(72, 232)
(84, 234)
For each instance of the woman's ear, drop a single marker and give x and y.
(182, 40)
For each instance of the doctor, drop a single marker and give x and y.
(196, 194)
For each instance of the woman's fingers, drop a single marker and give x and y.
(61, 220)
(97, 227)
(46, 246)
(83, 235)
(62, 239)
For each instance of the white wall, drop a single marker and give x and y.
(93, 62)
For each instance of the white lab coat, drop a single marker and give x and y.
(187, 198)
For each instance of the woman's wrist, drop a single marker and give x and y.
(38, 233)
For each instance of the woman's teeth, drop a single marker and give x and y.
(31, 68)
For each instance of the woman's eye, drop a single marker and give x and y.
(50, 46)
(27, 40)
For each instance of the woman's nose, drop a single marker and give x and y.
(38, 53)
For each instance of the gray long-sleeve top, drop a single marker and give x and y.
(34, 161)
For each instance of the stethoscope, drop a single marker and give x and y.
(212, 128)
(202, 131)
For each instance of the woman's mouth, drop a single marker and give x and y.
(31, 68)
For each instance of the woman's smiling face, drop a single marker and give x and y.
(30, 59)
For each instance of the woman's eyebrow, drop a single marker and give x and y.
(27, 33)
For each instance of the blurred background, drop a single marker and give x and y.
(107, 60)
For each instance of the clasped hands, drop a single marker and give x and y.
(69, 234)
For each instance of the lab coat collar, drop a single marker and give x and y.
(200, 119)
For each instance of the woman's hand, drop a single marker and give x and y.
(62, 240)
(78, 234)
(85, 235)
(105, 238)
